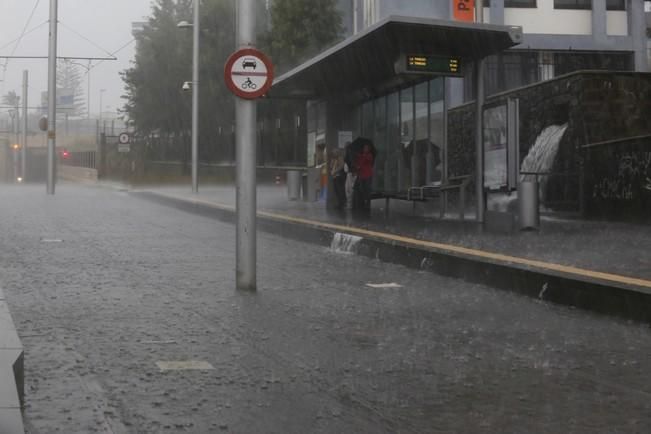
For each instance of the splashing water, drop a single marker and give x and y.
(540, 159)
(344, 243)
(542, 154)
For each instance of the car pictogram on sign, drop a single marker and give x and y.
(249, 63)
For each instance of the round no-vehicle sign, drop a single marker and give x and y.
(249, 73)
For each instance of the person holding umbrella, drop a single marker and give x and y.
(363, 166)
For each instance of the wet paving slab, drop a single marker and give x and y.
(134, 286)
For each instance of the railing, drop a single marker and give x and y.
(85, 159)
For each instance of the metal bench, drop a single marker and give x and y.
(460, 183)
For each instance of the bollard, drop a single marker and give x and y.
(528, 205)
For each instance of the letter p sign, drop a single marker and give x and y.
(464, 10)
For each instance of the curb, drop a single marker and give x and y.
(12, 376)
(605, 293)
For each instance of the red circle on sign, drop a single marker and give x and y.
(228, 76)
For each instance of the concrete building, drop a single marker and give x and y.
(560, 36)
(647, 14)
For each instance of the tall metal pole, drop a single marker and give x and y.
(23, 151)
(51, 96)
(88, 73)
(479, 123)
(195, 99)
(101, 92)
(245, 112)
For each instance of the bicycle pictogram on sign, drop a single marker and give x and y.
(248, 84)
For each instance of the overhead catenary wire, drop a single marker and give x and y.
(85, 38)
(18, 41)
(112, 54)
(33, 29)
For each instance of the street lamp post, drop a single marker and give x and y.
(23, 150)
(195, 93)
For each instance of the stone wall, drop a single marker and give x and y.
(618, 180)
(598, 106)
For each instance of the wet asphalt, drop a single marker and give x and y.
(103, 286)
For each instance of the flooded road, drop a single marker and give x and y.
(130, 322)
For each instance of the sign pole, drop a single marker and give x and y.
(195, 98)
(23, 150)
(52, 99)
(245, 112)
(479, 123)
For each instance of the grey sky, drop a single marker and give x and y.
(106, 23)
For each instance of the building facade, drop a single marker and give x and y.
(647, 14)
(560, 36)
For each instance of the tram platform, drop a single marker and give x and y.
(605, 266)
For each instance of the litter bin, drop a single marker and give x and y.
(293, 184)
(312, 184)
(528, 206)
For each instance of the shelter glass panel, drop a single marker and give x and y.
(406, 137)
(380, 141)
(419, 145)
(436, 128)
(312, 115)
(367, 119)
(393, 143)
(320, 157)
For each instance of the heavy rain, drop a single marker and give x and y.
(325, 216)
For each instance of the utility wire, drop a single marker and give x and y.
(20, 38)
(113, 53)
(33, 29)
(84, 38)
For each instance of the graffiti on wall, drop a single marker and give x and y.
(630, 182)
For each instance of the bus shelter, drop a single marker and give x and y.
(391, 83)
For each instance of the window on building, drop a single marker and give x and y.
(515, 3)
(616, 5)
(370, 12)
(573, 4)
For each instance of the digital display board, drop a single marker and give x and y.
(444, 65)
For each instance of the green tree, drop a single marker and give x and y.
(154, 99)
(301, 29)
(298, 30)
(11, 99)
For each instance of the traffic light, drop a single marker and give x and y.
(65, 154)
(15, 146)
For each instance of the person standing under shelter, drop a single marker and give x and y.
(364, 168)
(351, 177)
(339, 175)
